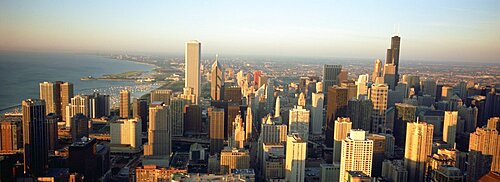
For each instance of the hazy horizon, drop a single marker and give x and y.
(454, 31)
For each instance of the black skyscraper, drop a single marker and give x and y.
(35, 137)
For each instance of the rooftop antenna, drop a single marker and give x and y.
(398, 31)
(394, 31)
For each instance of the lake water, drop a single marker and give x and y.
(21, 73)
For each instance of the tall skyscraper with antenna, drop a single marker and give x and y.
(393, 54)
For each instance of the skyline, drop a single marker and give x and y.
(458, 31)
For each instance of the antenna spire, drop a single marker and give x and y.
(398, 30)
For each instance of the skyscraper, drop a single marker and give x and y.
(277, 107)
(301, 100)
(98, 105)
(357, 154)
(162, 95)
(79, 104)
(188, 95)
(404, 113)
(273, 133)
(11, 134)
(418, 147)
(79, 127)
(390, 76)
(49, 94)
(487, 142)
(126, 132)
(342, 128)
(295, 164)
(450, 127)
(362, 83)
(336, 107)
(192, 119)
(140, 110)
(51, 127)
(298, 122)
(159, 134)
(378, 97)
(249, 124)
(217, 80)
(330, 76)
(377, 70)
(317, 113)
(66, 94)
(177, 116)
(216, 130)
(379, 152)
(234, 159)
(428, 87)
(238, 137)
(360, 113)
(124, 104)
(34, 137)
(393, 54)
(192, 67)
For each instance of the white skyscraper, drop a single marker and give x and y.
(126, 132)
(277, 107)
(298, 122)
(450, 127)
(362, 85)
(192, 67)
(295, 164)
(357, 154)
(342, 128)
(317, 113)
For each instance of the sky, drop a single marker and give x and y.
(447, 30)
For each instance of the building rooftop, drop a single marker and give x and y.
(358, 174)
